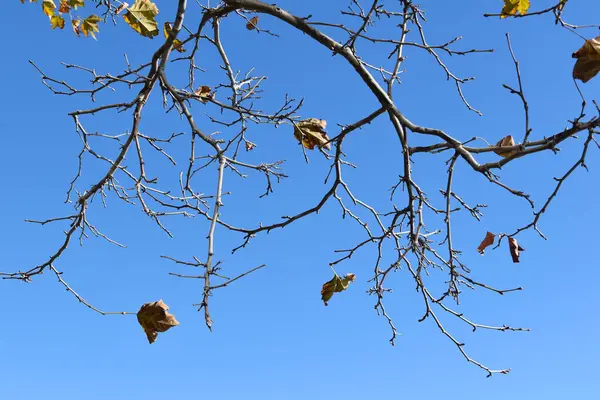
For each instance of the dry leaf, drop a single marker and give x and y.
(48, 7)
(515, 249)
(588, 60)
(56, 21)
(488, 241)
(75, 25)
(205, 93)
(252, 23)
(336, 284)
(311, 133)
(64, 7)
(154, 318)
(506, 141)
(141, 16)
(250, 146)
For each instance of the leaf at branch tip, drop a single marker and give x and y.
(506, 141)
(512, 7)
(64, 7)
(177, 45)
(76, 3)
(141, 17)
(48, 7)
(252, 23)
(515, 249)
(588, 60)
(155, 318)
(487, 241)
(204, 92)
(89, 26)
(57, 21)
(75, 23)
(336, 284)
(250, 146)
(311, 133)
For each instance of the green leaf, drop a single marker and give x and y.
(141, 17)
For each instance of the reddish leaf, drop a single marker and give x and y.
(487, 241)
(515, 249)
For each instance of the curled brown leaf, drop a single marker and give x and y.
(154, 318)
(515, 249)
(311, 133)
(252, 23)
(588, 60)
(487, 241)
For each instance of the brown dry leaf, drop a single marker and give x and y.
(336, 284)
(75, 25)
(154, 318)
(64, 7)
(311, 133)
(588, 60)
(205, 93)
(506, 141)
(250, 146)
(515, 249)
(252, 23)
(488, 241)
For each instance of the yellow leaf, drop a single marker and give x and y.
(335, 285)
(588, 60)
(57, 22)
(177, 45)
(507, 141)
(76, 3)
(141, 17)
(75, 23)
(154, 318)
(311, 133)
(512, 7)
(205, 93)
(48, 6)
(89, 26)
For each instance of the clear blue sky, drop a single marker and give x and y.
(273, 338)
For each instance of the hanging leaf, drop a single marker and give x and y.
(515, 249)
(48, 7)
(335, 285)
(252, 23)
(76, 3)
(512, 7)
(507, 141)
(64, 7)
(57, 21)
(588, 60)
(250, 146)
(311, 133)
(177, 45)
(141, 17)
(487, 241)
(89, 26)
(75, 23)
(155, 318)
(205, 93)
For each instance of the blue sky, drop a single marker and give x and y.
(273, 338)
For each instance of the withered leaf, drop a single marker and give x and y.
(204, 92)
(487, 241)
(588, 60)
(336, 284)
(250, 146)
(506, 141)
(155, 318)
(252, 23)
(311, 133)
(515, 249)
